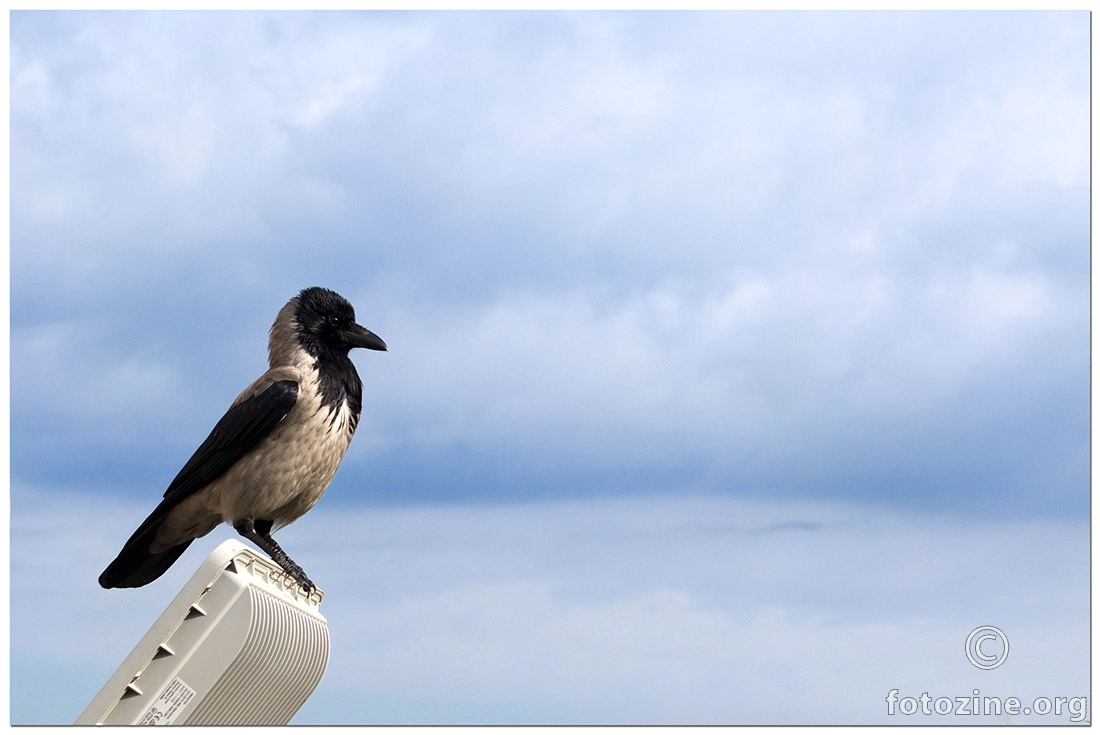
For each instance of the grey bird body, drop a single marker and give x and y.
(276, 450)
(281, 479)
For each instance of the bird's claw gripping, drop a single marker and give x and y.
(259, 532)
(298, 575)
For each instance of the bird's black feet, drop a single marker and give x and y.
(259, 533)
(295, 572)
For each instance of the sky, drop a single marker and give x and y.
(738, 361)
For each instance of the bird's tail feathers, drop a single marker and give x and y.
(135, 566)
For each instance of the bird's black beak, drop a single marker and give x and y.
(358, 336)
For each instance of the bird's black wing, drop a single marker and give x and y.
(244, 426)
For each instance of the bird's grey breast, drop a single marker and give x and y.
(294, 465)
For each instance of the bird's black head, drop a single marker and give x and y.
(326, 324)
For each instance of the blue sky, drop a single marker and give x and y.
(680, 306)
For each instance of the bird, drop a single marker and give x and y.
(275, 451)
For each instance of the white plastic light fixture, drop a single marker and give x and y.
(242, 644)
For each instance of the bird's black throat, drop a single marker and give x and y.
(337, 379)
(338, 382)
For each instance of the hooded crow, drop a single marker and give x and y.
(273, 454)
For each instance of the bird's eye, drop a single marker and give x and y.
(334, 321)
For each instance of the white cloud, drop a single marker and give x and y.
(122, 391)
(757, 365)
(1042, 134)
(329, 98)
(995, 303)
(672, 610)
(183, 142)
(759, 245)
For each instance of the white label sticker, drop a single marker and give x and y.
(169, 704)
